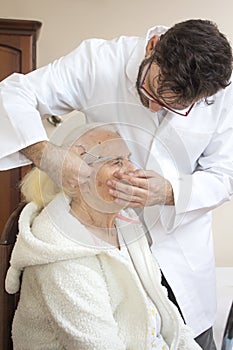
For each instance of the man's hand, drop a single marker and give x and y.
(141, 188)
(64, 166)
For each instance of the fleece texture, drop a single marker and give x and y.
(79, 292)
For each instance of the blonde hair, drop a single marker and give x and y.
(38, 187)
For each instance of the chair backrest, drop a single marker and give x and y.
(8, 303)
(227, 343)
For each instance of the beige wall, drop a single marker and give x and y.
(67, 22)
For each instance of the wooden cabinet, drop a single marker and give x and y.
(17, 54)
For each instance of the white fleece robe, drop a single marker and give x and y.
(77, 294)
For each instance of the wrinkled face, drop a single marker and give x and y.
(114, 155)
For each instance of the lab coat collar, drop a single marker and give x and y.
(139, 52)
(157, 30)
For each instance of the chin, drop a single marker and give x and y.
(102, 205)
(109, 206)
(107, 202)
(106, 208)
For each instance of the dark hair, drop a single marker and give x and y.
(195, 60)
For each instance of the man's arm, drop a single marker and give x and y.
(35, 152)
(53, 90)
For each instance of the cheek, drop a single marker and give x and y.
(101, 187)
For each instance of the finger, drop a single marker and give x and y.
(127, 204)
(139, 173)
(85, 188)
(130, 194)
(84, 173)
(75, 180)
(125, 196)
(78, 149)
(143, 173)
(122, 174)
(122, 187)
(130, 180)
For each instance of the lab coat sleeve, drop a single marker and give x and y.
(78, 303)
(210, 185)
(57, 88)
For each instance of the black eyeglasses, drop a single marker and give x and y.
(147, 94)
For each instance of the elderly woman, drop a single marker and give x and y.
(89, 280)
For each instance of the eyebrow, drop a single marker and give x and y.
(108, 159)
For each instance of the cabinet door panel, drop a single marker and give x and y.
(17, 54)
(10, 59)
(19, 49)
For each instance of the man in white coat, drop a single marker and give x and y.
(171, 96)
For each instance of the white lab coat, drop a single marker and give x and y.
(194, 153)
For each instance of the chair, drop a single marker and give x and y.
(227, 343)
(8, 303)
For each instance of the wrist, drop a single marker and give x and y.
(35, 152)
(169, 194)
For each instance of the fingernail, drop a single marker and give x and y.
(109, 183)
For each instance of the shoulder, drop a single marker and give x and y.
(100, 52)
(81, 279)
(79, 270)
(103, 45)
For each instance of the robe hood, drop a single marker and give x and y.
(53, 234)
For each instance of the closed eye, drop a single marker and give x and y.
(117, 161)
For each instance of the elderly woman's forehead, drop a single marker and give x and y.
(98, 136)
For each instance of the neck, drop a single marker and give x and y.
(100, 224)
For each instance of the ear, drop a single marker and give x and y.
(151, 45)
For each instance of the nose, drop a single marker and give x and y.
(128, 165)
(154, 106)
